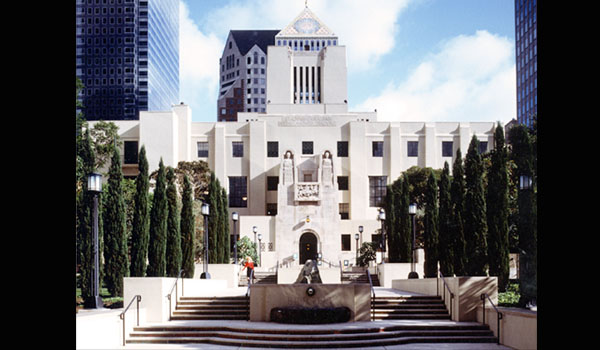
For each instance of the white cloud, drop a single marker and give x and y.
(470, 78)
(199, 55)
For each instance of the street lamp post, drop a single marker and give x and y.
(412, 210)
(234, 217)
(205, 212)
(95, 187)
(356, 238)
(381, 218)
(254, 229)
(259, 250)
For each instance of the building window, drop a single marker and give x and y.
(344, 211)
(272, 182)
(202, 149)
(377, 240)
(377, 189)
(272, 149)
(483, 145)
(237, 192)
(413, 148)
(272, 209)
(130, 151)
(342, 183)
(345, 242)
(377, 148)
(238, 149)
(342, 149)
(446, 148)
(307, 147)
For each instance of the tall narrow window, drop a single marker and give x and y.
(446, 148)
(202, 149)
(307, 147)
(237, 192)
(377, 190)
(412, 148)
(295, 85)
(237, 148)
(342, 149)
(377, 149)
(130, 152)
(272, 149)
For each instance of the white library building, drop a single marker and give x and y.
(307, 172)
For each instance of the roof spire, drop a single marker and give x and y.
(305, 3)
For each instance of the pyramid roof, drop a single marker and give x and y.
(306, 24)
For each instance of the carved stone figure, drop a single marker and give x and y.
(288, 167)
(327, 177)
(309, 273)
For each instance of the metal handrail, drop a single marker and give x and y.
(449, 291)
(248, 291)
(483, 297)
(372, 297)
(122, 314)
(168, 296)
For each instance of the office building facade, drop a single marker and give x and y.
(243, 73)
(127, 57)
(526, 54)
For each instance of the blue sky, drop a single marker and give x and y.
(412, 60)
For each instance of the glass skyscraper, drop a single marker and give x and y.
(127, 57)
(526, 53)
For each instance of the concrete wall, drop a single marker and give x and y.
(518, 327)
(356, 297)
(226, 272)
(394, 271)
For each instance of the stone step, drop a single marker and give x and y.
(318, 338)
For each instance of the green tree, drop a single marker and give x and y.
(106, 137)
(225, 233)
(246, 247)
(431, 227)
(457, 198)
(84, 217)
(158, 227)
(173, 252)
(366, 253)
(213, 219)
(475, 214)
(404, 220)
(115, 235)
(141, 219)
(187, 229)
(524, 158)
(446, 251)
(391, 223)
(497, 211)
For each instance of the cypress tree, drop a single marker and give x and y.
(158, 227)
(405, 230)
(497, 211)
(173, 253)
(141, 219)
(523, 156)
(220, 226)
(187, 229)
(225, 241)
(457, 198)
(431, 227)
(446, 247)
(213, 218)
(475, 216)
(115, 245)
(390, 221)
(85, 243)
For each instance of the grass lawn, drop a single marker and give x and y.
(108, 300)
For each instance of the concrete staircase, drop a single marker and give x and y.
(260, 277)
(410, 308)
(211, 308)
(349, 277)
(364, 336)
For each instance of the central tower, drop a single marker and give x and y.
(307, 70)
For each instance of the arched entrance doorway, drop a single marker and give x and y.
(308, 247)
